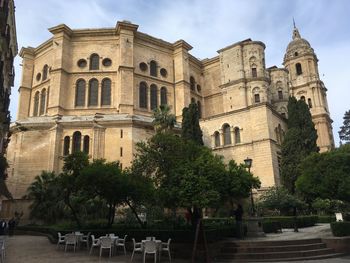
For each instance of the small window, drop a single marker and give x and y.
(38, 76)
(217, 138)
(296, 54)
(309, 103)
(163, 72)
(163, 96)
(153, 68)
(93, 92)
(76, 141)
(237, 135)
(121, 133)
(45, 71)
(94, 62)
(298, 69)
(256, 98)
(254, 73)
(107, 62)
(227, 134)
(36, 104)
(143, 95)
(302, 98)
(154, 97)
(199, 88)
(106, 92)
(280, 95)
(80, 93)
(66, 145)
(82, 63)
(86, 144)
(42, 101)
(192, 83)
(121, 151)
(283, 114)
(193, 100)
(143, 66)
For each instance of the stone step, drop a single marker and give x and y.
(332, 255)
(265, 249)
(274, 255)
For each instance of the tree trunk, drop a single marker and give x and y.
(135, 213)
(74, 213)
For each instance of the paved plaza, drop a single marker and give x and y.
(38, 249)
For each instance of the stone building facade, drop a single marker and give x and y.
(94, 90)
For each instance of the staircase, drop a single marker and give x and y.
(270, 251)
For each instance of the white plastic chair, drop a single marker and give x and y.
(70, 239)
(86, 239)
(338, 217)
(95, 242)
(2, 251)
(106, 243)
(137, 248)
(165, 246)
(61, 239)
(121, 243)
(150, 238)
(150, 247)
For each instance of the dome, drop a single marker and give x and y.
(298, 43)
(298, 46)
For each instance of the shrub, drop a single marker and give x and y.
(288, 221)
(326, 219)
(272, 226)
(340, 229)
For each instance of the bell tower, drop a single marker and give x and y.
(304, 83)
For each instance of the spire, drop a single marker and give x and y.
(295, 31)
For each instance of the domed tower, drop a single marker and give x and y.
(301, 62)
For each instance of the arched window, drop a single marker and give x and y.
(199, 109)
(80, 93)
(309, 102)
(237, 135)
(45, 70)
(154, 96)
(143, 95)
(153, 68)
(280, 95)
(94, 62)
(86, 144)
(93, 92)
(106, 92)
(192, 83)
(66, 145)
(256, 98)
(302, 98)
(254, 72)
(76, 142)
(163, 96)
(298, 69)
(42, 102)
(36, 104)
(217, 138)
(193, 100)
(227, 134)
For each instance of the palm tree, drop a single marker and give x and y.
(163, 119)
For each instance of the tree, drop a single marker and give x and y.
(344, 133)
(190, 124)
(326, 175)
(163, 120)
(299, 142)
(3, 176)
(46, 195)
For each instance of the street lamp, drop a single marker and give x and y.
(248, 163)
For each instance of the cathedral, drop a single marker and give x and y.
(94, 90)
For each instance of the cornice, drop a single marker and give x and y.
(209, 61)
(126, 25)
(156, 41)
(243, 43)
(182, 44)
(61, 28)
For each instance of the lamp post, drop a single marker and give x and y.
(248, 163)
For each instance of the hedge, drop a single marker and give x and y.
(272, 226)
(326, 219)
(288, 221)
(340, 229)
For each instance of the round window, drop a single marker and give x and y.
(163, 72)
(107, 62)
(38, 76)
(143, 66)
(82, 63)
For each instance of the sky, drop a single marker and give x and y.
(209, 26)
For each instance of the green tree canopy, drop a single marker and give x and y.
(326, 175)
(163, 119)
(299, 142)
(190, 124)
(344, 133)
